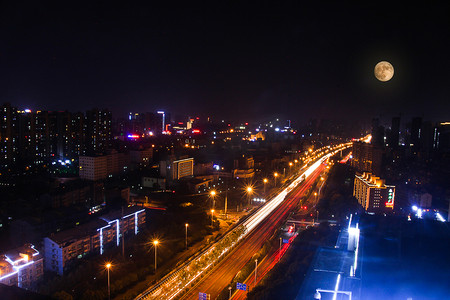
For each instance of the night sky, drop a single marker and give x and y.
(227, 59)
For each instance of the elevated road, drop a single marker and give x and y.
(219, 278)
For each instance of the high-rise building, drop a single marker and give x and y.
(98, 130)
(366, 157)
(395, 133)
(416, 132)
(8, 134)
(441, 137)
(63, 136)
(78, 134)
(35, 137)
(377, 133)
(42, 131)
(373, 194)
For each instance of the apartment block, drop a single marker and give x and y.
(21, 267)
(373, 194)
(65, 247)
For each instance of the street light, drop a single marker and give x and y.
(265, 180)
(256, 269)
(275, 175)
(155, 243)
(213, 194)
(108, 266)
(186, 225)
(212, 213)
(249, 193)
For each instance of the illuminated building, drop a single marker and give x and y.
(65, 247)
(8, 134)
(183, 168)
(21, 267)
(177, 169)
(98, 130)
(373, 194)
(78, 134)
(163, 121)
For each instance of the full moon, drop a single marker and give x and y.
(384, 71)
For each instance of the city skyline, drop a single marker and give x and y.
(298, 61)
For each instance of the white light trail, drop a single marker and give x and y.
(336, 287)
(170, 285)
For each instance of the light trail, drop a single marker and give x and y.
(172, 285)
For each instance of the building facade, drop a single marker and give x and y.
(65, 247)
(22, 267)
(373, 194)
(93, 167)
(176, 169)
(366, 157)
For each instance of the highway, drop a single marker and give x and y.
(225, 271)
(190, 275)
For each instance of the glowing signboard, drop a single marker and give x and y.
(391, 195)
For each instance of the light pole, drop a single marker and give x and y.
(275, 175)
(249, 193)
(212, 214)
(213, 194)
(290, 168)
(226, 198)
(186, 225)
(229, 290)
(314, 221)
(108, 266)
(265, 181)
(279, 254)
(256, 269)
(155, 243)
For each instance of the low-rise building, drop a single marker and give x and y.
(21, 267)
(141, 157)
(65, 247)
(99, 167)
